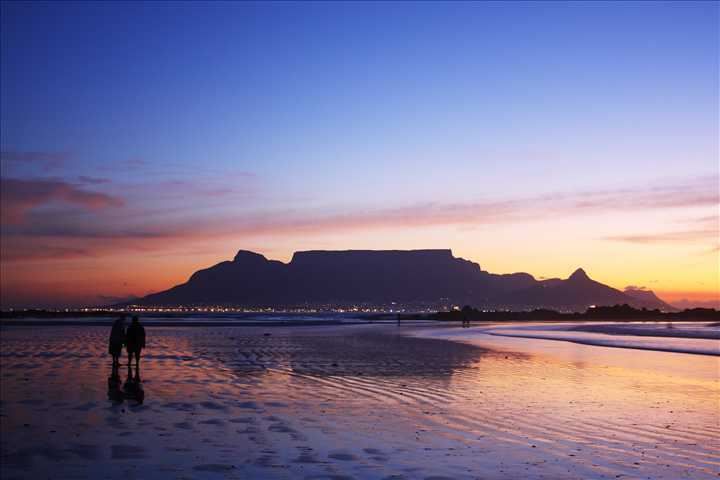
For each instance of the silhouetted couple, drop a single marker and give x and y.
(134, 341)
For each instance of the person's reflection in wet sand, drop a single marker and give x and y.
(115, 393)
(133, 389)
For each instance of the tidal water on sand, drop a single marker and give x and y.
(353, 401)
(699, 338)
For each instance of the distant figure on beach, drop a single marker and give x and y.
(466, 312)
(116, 342)
(135, 342)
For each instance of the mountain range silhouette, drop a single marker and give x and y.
(379, 277)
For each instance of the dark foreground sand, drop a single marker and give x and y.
(350, 402)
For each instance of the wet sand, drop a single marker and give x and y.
(365, 402)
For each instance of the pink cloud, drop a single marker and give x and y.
(667, 237)
(13, 251)
(130, 229)
(695, 230)
(18, 197)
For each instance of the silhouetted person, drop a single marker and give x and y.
(466, 312)
(135, 342)
(115, 344)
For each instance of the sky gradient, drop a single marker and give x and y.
(141, 142)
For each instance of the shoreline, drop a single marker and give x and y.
(147, 322)
(602, 334)
(616, 313)
(610, 345)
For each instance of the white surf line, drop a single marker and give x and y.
(613, 343)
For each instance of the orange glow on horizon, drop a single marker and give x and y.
(92, 281)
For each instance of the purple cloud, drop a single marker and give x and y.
(130, 228)
(18, 197)
(700, 229)
(93, 180)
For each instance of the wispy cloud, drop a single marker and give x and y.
(667, 237)
(93, 180)
(130, 228)
(46, 160)
(24, 250)
(19, 196)
(700, 192)
(695, 230)
(636, 287)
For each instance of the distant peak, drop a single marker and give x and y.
(244, 255)
(640, 292)
(579, 274)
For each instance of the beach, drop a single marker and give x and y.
(368, 401)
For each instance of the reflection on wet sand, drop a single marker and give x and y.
(347, 402)
(115, 393)
(131, 390)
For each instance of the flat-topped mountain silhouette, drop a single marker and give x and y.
(380, 277)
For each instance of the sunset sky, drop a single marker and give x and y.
(141, 142)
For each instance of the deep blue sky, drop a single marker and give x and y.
(339, 108)
(326, 89)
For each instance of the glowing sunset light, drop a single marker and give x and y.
(401, 239)
(294, 131)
